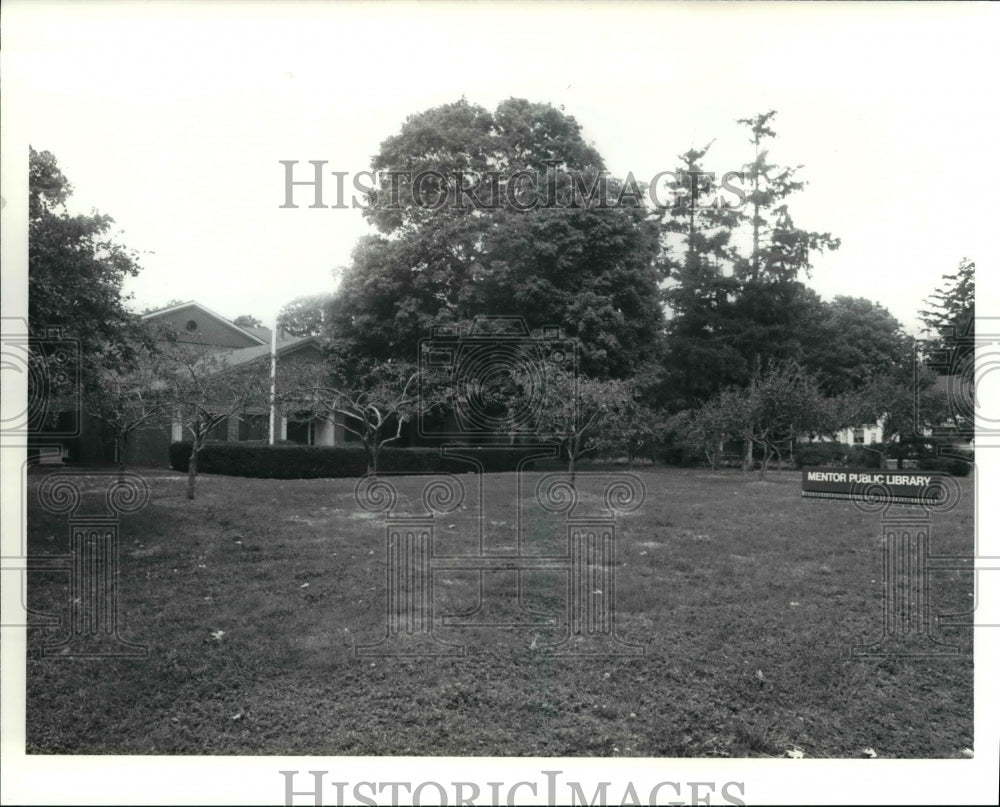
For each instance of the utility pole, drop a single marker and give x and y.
(274, 373)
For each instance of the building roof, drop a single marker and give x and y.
(252, 333)
(245, 355)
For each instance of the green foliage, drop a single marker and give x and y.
(76, 270)
(951, 317)
(248, 321)
(290, 461)
(951, 309)
(590, 271)
(861, 457)
(808, 455)
(948, 465)
(856, 341)
(737, 303)
(780, 250)
(305, 316)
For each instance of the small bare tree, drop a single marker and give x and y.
(125, 402)
(375, 409)
(579, 413)
(208, 387)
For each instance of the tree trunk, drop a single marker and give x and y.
(120, 455)
(192, 472)
(748, 456)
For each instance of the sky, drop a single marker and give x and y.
(173, 118)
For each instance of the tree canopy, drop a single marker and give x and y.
(590, 270)
(76, 270)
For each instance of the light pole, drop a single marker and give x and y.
(274, 373)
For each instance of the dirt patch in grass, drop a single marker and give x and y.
(745, 598)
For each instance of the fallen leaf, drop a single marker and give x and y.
(795, 753)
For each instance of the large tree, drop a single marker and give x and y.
(853, 342)
(950, 318)
(736, 297)
(779, 250)
(698, 252)
(305, 316)
(908, 407)
(76, 269)
(520, 246)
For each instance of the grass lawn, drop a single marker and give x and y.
(745, 597)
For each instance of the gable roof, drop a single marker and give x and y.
(173, 309)
(241, 356)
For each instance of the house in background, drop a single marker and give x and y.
(240, 346)
(864, 435)
(194, 323)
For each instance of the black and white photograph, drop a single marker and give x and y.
(499, 403)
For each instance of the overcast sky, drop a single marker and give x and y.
(172, 118)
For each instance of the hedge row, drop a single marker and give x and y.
(833, 453)
(955, 467)
(313, 462)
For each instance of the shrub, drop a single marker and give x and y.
(812, 454)
(492, 460)
(294, 461)
(272, 462)
(947, 465)
(861, 457)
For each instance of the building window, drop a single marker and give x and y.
(191, 325)
(859, 436)
(253, 427)
(299, 429)
(220, 431)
